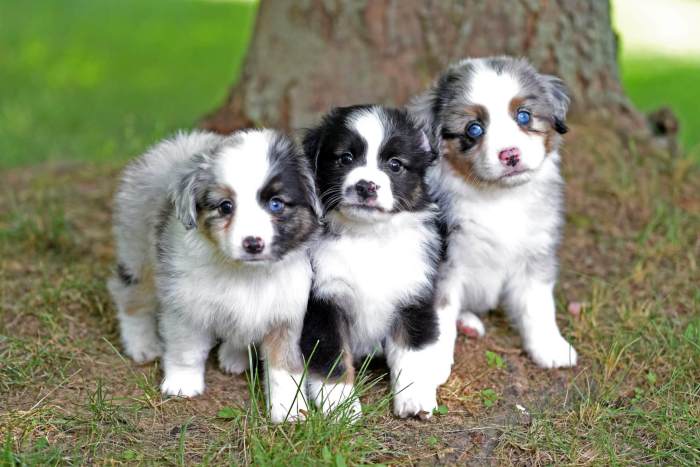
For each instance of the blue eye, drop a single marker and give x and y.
(475, 130)
(523, 117)
(275, 205)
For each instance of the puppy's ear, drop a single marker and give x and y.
(559, 97)
(186, 190)
(311, 144)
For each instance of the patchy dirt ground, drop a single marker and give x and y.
(629, 257)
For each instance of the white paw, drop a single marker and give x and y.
(233, 360)
(142, 349)
(470, 325)
(552, 352)
(184, 383)
(416, 400)
(280, 412)
(330, 397)
(286, 395)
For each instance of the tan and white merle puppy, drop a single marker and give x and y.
(498, 123)
(376, 262)
(211, 235)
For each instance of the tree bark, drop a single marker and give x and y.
(309, 55)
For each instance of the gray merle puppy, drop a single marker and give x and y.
(499, 124)
(211, 235)
(376, 262)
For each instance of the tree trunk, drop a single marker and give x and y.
(309, 55)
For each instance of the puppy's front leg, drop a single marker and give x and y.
(284, 385)
(412, 381)
(531, 306)
(325, 347)
(186, 350)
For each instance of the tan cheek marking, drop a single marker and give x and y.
(460, 163)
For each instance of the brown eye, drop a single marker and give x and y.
(226, 208)
(395, 165)
(346, 158)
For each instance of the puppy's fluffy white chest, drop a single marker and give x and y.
(240, 302)
(371, 271)
(503, 228)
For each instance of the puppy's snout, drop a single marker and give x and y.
(366, 190)
(253, 245)
(509, 157)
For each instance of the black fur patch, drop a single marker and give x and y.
(298, 221)
(125, 276)
(323, 338)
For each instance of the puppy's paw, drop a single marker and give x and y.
(280, 413)
(552, 352)
(470, 325)
(183, 383)
(143, 349)
(417, 400)
(337, 399)
(233, 360)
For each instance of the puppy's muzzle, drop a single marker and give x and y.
(366, 190)
(253, 245)
(509, 157)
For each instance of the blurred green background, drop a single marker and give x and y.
(101, 80)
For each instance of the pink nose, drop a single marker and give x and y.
(509, 157)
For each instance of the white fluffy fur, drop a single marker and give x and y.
(502, 247)
(285, 395)
(201, 295)
(330, 396)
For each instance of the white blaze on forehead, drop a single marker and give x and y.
(369, 126)
(492, 90)
(244, 168)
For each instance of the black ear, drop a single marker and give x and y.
(187, 189)
(559, 98)
(311, 144)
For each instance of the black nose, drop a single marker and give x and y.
(366, 190)
(253, 245)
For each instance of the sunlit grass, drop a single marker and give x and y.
(101, 80)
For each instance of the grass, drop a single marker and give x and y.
(100, 80)
(77, 87)
(630, 256)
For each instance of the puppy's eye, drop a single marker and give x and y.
(346, 158)
(275, 205)
(475, 130)
(395, 165)
(226, 208)
(523, 117)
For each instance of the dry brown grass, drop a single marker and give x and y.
(630, 256)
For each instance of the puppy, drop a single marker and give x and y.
(376, 262)
(211, 237)
(498, 123)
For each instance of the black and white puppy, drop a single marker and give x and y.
(211, 236)
(376, 262)
(498, 122)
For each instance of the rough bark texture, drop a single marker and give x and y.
(309, 55)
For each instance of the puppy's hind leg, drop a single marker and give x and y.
(136, 310)
(470, 324)
(233, 358)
